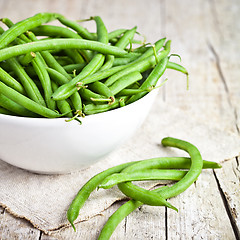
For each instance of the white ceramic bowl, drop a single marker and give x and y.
(55, 146)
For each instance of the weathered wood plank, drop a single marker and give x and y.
(193, 39)
(213, 94)
(202, 214)
(15, 228)
(229, 184)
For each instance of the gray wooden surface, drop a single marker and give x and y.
(207, 35)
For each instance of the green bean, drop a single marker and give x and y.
(70, 68)
(10, 81)
(62, 60)
(126, 38)
(60, 79)
(62, 76)
(24, 25)
(100, 75)
(130, 92)
(113, 221)
(194, 171)
(122, 212)
(102, 33)
(6, 111)
(58, 44)
(147, 174)
(77, 103)
(149, 197)
(151, 80)
(116, 33)
(30, 87)
(64, 91)
(14, 107)
(87, 189)
(121, 43)
(143, 48)
(157, 46)
(54, 31)
(74, 55)
(88, 95)
(91, 108)
(27, 102)
(1, 31)
(141, 66)
(141, 171)
(59, 31)
(83, 32)
(131, 205)
(28, 84)
(56, 76)
(10, 24)
(170, 163)
(26, 59)
(39, 67)
(102, 89)
(5, 66)
(125, 60)
(63, 105)
(125, 81)
(95, 181)
(180, 68)
(143, 195)
(49, 59)
(108, 63)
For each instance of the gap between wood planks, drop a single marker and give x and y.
(229, 210)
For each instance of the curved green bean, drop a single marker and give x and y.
(141, 66)
(92, 108)
(60, 79)
(59, 31)
(10, 81)
(125, 81)
(64, 91)
(102, 89)
(39, 67)
(63, 106)
(58, 44)
(87, 189)
(6, 111)
(83, 32)
(77, 67)
(131, 205)
(26, 59)
(180, 68)
(24, 25)
(27, 102)
(28, 84)
(149, 170)
(151, 80)
(121, 43)
(149, 197)
(15, 108)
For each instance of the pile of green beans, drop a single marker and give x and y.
(64, 70)
(183, 170)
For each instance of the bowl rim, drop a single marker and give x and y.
(148, 95)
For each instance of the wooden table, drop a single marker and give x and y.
(207, 35)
